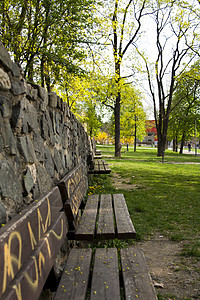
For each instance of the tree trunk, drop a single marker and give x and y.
(162, 136)
(117, 126)
(182, 143)
(135, 134)
(176, 149)
(174, 145)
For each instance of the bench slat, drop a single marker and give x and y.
(28, 283)
(72, 205)
(86, 229)
(75, 278)
(105, 280)
(106, 222)
(124, 224)
(73, 188)
(19, 237)
(137, 281)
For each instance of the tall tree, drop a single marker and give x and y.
(186, 105)
(176, 29)
(132, 115)
(123, 24)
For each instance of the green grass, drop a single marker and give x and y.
(166, 198)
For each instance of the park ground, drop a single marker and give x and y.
(163, 201)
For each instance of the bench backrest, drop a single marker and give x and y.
(73, 188)
(29, 245)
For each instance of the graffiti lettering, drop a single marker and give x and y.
(13, 260)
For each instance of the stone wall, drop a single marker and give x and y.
(40, 139)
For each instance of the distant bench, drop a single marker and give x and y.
(100, 167)
(31, 242)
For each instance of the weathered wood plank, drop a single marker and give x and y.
(72, 205)
(19, 237)
(136, 277)
(69, 183)
(105, 280)
(96, 168)
(75, 278)
(29, 281)
(125, 228)
(105, 228)
(87, 226)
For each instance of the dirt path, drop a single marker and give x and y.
(174, 276)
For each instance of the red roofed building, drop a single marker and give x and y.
(151, 133)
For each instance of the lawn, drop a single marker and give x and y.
(165, 197)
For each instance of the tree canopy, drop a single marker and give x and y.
(46, 37)
(94, 52)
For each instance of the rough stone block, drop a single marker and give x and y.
(58, 123)
(65, 137)
(53, 100)
(44, 180)
(25, 117)
(44, 96)
(44, 128)
(5, 107)
(47, 129)
(58, 161)
(49, 164)
(18, 88)
(26, 149)
(38, 143)
(28, 181)
(31, 92)
(2, 214)
(8, 138)
(5, 83)
(16, 70)
(10, 186)
(50, 129)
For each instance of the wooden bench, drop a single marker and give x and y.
(100, 167)
(104, 217)
(97, 154)
(107, 275)
(29, 245)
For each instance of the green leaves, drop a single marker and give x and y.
(46, 36)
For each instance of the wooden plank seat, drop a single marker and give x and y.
(100, 167)
(105, 217)
(112, 275)
(29, 245)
